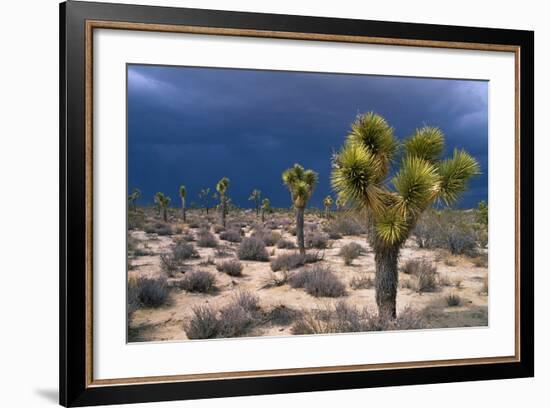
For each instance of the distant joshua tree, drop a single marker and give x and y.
(256, 196)
(204, 197)
(133, 197)
(266, 207)
(163, 201)
(359, 173)
(300, 183)
(183, 193)
(221, 188)
(340, 203)
(327, 202)
(482, 213)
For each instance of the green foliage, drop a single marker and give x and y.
(300, 183)
(482, 213)
(183, 192)
(361, 167)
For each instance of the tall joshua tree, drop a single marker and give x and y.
(266, 206)
(133, 197)
(256, 196)
(327, 202)
(221, 188)
(163, 201)
(204, 197)
(300, 183)
(183, 193)
(393, 208)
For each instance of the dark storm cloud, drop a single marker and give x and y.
(194, 125)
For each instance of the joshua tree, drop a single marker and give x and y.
(300, 183)
(163, 201)
(340, 203)
(266, 206)
(392, 209)
(133, 197)
(256, 196)
(482, 213)
(204, 197)
(221, 188)
(183, 193)
(327, 202)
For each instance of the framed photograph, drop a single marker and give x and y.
(257, 204)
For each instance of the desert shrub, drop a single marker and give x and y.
(231, 267)
(282, 315)
(481, 261)
(231, 235)
(183, 251)
(457, 283)
(169, 265)
(198, 281)
(412, 266)
(223, 251)
(194, 224)
(427, 279)
(203, 324)
(350, 252)
(247, 300)
(344, 318)
(218, 228)
(453, 300)
(234, 321)
(187, 236)
(318, 281)
(345, 225)
(285, 244)
(147, 292)
(362, 281)
(158, 228)
(450, 229)
(207, 262)
(316, 240)
(206, 239)
(136, 220)
(269, 238)
(443, 280)
(287, 262)
(252, 249)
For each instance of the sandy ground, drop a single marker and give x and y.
(167, 322)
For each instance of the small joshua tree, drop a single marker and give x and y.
(266, 207)
(359, 176)
(183, 193)
(300, 183)
(256, 196)
(204, 197)
(133, 197)
(163, 201)
(340, 203)
(221, 188)
(327, 202)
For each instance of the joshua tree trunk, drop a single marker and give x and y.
(300, 229)
(258, 210)
(386, 280)
(183, 210)
(223, 211)
(263, 215)
(164, 214)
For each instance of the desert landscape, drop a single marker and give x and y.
(197, 279)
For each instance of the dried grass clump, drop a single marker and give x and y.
(252, 249)
(147, 292)
(318, 281)
(345, 318)
(361, 281)
(286, 244)
(231, 235)
(206, 239)
(198, 281)
(425, 272)
(287, 262)
(351, 251)
(231, 267)
(159, 228)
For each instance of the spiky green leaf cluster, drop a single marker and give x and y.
(360, 169)
(162, 200)
(300, 183)
(222, 186)
(182, 191)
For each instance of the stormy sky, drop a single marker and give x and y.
(193, 126)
